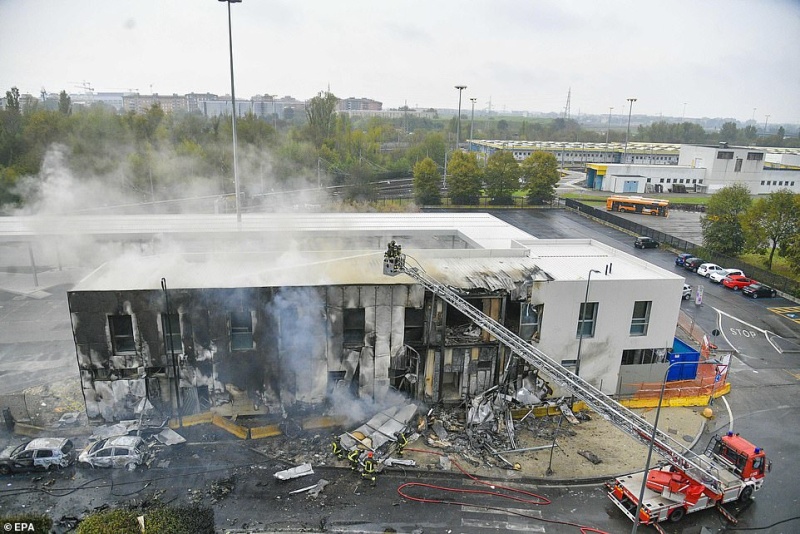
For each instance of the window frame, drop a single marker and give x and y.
(241, 330)
(122, 342)
(354, 321)
(583, 320)
(641, 323)
(169, 321)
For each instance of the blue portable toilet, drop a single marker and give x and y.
(681, 352)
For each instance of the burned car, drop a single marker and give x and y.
(40, 453)
(118, 451)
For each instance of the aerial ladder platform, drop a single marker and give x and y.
(697, 466)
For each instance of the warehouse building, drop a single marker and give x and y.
(310, 314)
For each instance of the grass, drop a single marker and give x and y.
(779, 265)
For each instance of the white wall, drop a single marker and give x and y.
(601, 355)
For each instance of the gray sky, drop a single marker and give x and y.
(720, 58)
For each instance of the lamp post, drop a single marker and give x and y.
(609, 123)
(580, 333)
(472, 122)
(653, 437)
(628, 131)
(233, 114)
(458, 121)
(765, 124)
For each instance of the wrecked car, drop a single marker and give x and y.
(117, 451)
(40, 453)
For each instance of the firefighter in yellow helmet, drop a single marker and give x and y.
(369, 467)
(352, 456)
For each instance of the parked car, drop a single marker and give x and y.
(692, 264)
(118, 451)
(681, 258)
(687, 291)
(707, 268)
(718, 276)
(40, 453)
(645, 242)
(758, 290)
(737, 281)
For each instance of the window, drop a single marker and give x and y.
(780, 183)
(121, 327)
(104, 453)
(762, 182)
(641, 317)
(241, 330)
(661, 180)
(44, 453)
(724, 155)
(354, 321)
(738, 167)
(530, 321)
(669, 180)
(414, 325)
(643, 356)
(755, 156)
(172, 332)
(587, 318)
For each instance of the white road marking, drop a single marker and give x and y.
(730, 414)
(501, 525)
(766, 333)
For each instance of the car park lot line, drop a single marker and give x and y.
(790, 312)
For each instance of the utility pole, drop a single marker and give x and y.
(458, 120)
(472, 122)
(628, 131)
(609, 123)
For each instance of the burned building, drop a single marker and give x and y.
(267, 332)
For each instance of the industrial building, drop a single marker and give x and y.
(309, 313)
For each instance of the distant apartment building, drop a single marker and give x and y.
(359, 104)
(141, 103)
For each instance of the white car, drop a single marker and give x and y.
(707, 269)
(718, 276)
(687, 291)
(119, 451)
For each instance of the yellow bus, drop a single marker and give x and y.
(646, 206)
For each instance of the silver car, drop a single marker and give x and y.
(39, 453)
(118, 451)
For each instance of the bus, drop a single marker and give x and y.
(646, 206)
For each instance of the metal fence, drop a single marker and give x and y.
(781, 283)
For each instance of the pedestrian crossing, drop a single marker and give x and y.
(508, 519)
(790, 312)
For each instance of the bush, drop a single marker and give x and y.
(110, 522)
(41, 523)
(189, 519)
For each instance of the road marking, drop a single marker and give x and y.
(766, 333)
(501, 525)
(790, 312)
(503, 511)
(730, 414)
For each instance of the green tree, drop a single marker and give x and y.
(772, 223)
(463, 178)
(12, 100)
(722, 228)
(427, 145)
(64, 103)
(540, 176)
(321, 114)
(426, 183)
(502, 176)
(729, 133)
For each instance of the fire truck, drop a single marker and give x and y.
(730, 468)
(670, 492)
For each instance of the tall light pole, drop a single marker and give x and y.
(609, 123)
(653, 437)
(233, 115)
(765, 124)
(458, 122)
(628, 131)
(472, 122)
(581, 322)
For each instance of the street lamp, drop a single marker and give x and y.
(472, 122)
(653, 436)
(765, 124)
(233, 115)
(609, 123)
(628, 131)
(458, 122)
(580, 333)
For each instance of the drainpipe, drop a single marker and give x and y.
(172, 353)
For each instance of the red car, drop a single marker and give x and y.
(737, 281)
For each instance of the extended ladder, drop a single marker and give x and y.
(696, 466)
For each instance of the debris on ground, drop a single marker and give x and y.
(313, 490)
(592, 457)
(295, 472)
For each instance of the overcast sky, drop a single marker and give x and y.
(711, 58)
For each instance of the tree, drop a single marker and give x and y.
(321, 114)
(772, 223)
(64, 103)
(426, 183)
(463, 178)
(722, 229)
(12, 100)
(540, 176)
(502, 176)
(728, 133)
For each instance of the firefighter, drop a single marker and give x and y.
(353, 457)
(369, 467)
(337, 449)
(402, 442)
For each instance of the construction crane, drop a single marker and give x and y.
(86, 86)
(708, 471)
